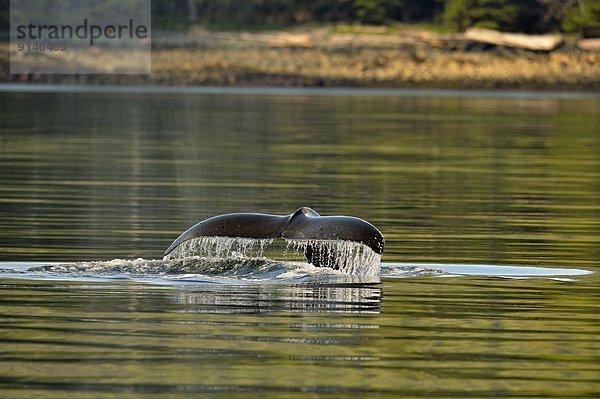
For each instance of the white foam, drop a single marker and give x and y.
(348, 257)
(220, 247)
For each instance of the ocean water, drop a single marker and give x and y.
(488, 286)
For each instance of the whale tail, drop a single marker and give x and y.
(304, 224)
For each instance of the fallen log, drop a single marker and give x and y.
(589, 44)
(517, 40)
(281, 39)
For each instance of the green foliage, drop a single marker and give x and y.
(530, 16)
(378, 11)
(252, 14)
(493, 14)
(583, 17)
(456, 14)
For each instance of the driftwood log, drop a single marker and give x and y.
(589, 44)
(517, 40)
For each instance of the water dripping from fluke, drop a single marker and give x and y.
(346, 257)
(346, 244)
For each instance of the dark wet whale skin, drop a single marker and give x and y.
(304, 224)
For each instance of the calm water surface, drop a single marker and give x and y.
(451, 179)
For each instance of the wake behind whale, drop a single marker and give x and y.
(241, 259)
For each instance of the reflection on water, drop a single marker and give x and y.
(424, 337)
(446, 179)
(312, 298)
(450, 180)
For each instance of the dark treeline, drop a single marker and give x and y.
(528, 16)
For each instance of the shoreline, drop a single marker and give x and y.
(318, 58)
(41, 88)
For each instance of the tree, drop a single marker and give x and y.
(370, 11)
(583, 17)
(493, 14)
(379, 11)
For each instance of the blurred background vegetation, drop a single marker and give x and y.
(527, 16)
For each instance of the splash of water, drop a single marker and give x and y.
(235, 270)
(232, 266)
(348, 257)
(220, 248)
(237, 260)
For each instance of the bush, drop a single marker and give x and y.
(584, 18)
(493, 14)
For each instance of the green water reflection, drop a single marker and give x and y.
(96, 176)
(466, 179)
(428, 337)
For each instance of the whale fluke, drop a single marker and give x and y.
(304, 224)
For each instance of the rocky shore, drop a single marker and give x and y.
(367, 58)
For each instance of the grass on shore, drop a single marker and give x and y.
(221, 59)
